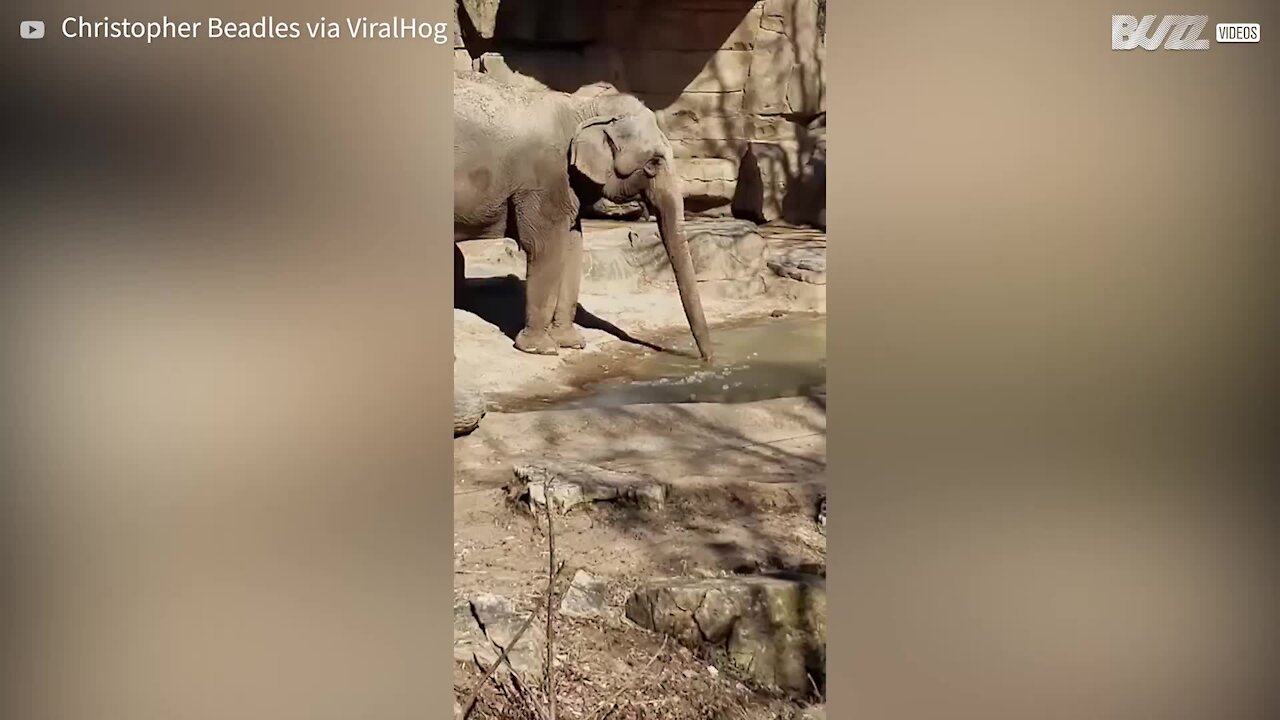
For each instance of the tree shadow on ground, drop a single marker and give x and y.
(763, 519)
(755, 481)
(755, 516)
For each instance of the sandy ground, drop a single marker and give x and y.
(744, 481)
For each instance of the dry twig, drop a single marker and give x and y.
(551, 580)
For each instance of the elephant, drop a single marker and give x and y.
(528, 159)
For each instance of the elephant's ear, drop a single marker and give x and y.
(591, 151)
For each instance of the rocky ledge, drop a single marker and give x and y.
(770, 629)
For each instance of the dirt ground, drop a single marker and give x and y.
(743, 484)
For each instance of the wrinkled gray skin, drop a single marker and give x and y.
(527, 160)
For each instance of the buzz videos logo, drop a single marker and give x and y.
(1176, 32)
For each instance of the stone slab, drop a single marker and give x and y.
(565, 485)
(487, 624)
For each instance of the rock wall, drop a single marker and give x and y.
(739, 85)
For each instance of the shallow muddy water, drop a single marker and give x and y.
(755, 360)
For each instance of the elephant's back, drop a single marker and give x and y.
(497, 109)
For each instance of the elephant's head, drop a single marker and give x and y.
(621, 149)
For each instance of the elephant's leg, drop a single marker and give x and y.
(562, 329)
(544, 249)
(459, 276)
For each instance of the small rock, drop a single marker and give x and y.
(822, 512)
(570, 484)
(586, 597)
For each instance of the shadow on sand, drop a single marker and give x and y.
(499, 301)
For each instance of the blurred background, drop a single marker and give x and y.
(225, 341)
(221, 307)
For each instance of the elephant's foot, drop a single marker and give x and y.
(537, 342)
(568, 337)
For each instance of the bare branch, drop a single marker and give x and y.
(551, 612)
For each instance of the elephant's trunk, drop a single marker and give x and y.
(667, 203)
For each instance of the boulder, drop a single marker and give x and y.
(768, 629)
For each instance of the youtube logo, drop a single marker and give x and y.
(31, 29)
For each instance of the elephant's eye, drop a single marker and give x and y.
(652, 167)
